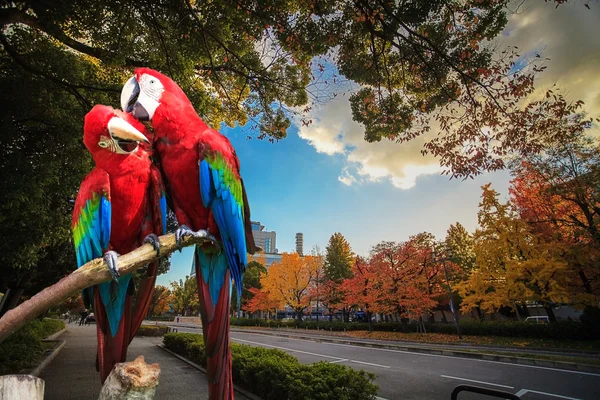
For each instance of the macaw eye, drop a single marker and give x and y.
(103, 144)
(151, 81)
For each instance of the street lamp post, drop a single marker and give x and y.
(447, 256)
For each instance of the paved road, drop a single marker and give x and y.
(407, 375)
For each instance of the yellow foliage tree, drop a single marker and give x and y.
(289, 281)
(512, 263)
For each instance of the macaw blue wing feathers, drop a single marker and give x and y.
(220, 190)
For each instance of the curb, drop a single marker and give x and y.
(446, 352)
(48, 358)
(246, 393)
(56, 334)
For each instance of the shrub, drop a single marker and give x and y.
(275, 375)
(178, 342)
(24, 347)
(151, 330)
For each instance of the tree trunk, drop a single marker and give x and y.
(133, 380)
(431, 317)
(10, 300)
(550, 313)
(585, 281)
(444, 318)
(524, 310)
(479, 313)
(21, 387)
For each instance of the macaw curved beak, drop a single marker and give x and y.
(130, 100)
(122, 130)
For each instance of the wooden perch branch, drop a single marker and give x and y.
(92, 273)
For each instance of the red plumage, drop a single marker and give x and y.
(181, 139)
(129, 183)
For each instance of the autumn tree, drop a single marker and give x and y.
(261, 301)
(360, 290)
(185, 296)
(402, 288)
(460, 243)
(513, 264)
(160, 302)
(254, 272)
(558, 193)
(290, 280)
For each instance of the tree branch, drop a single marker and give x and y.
(92, 273)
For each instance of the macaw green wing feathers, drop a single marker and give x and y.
(91, 221)
(221, 191)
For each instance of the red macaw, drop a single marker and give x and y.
(120, 205)
(202, 173)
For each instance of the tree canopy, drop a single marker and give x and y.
(338, 258)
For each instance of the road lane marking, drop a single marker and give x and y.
(366, 363)
(338, 361)
(462, 358)
(473, 380)
(523, 391)
(285, 348)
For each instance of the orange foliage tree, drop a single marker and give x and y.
(361, 289)
(160, 302)
(289, 281)
(514, 264)
(402, 288)
(558, 194)
(262, 301)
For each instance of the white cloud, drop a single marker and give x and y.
(569, 36)
(346, 178)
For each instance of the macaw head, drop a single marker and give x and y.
(111, 134)
(152, 96)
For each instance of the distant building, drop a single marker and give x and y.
(267, 258)
(300, 243)
(264, 239)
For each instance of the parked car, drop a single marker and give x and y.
(90, 319)
(537, 320)
(287, 319)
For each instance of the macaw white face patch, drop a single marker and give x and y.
(151, 89)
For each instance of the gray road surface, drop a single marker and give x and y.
(407, 375)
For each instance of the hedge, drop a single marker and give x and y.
(563, 330)
(152, 330)
(24, 347)
(161, 318)
(275, 375)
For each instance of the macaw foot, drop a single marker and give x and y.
(184, 231)
(110, 258)
(153, 240)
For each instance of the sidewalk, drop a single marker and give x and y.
(72, 374)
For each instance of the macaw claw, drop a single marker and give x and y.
(110, 258)
(184, 231)
(153, 240)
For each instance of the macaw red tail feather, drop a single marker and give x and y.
(143, 299)
(111, 350)
(215, 326)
